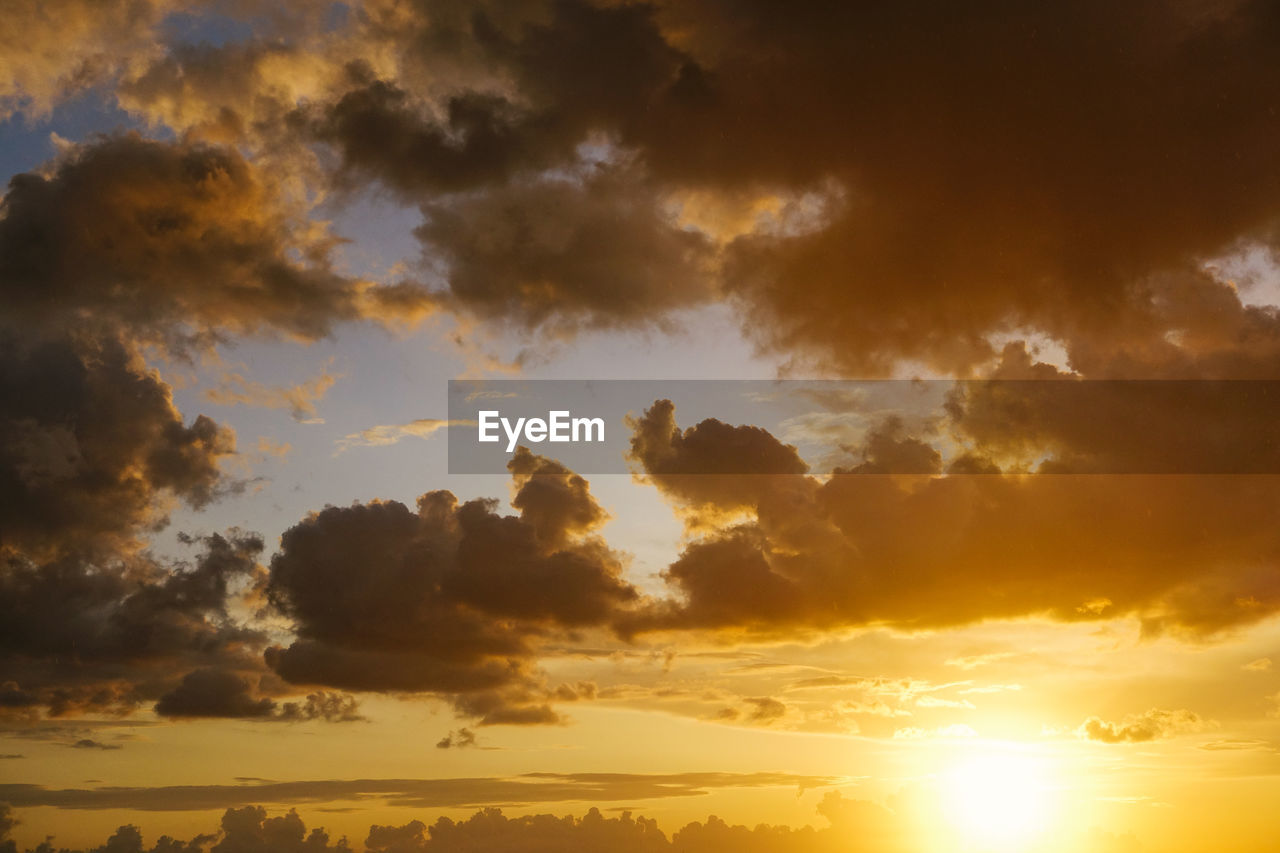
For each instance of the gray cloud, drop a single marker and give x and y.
(452, 599)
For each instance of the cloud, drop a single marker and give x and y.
(1259, 665)
(1047, 212)
(421, 793)
(766, 709)
(1155, 724)
(783, 552)
(463, 737)
(958, 730)
(1115, 427)
(595, 252)
(92, 448)
(88, 743)
(386, 434)
(717, 167)
(243, 92)
(452, 599)
(511, 94)
(212, 693)
(1236, 744)
(968, 662)
(322, 705)
(103, 637)
(165, 240)
(300, 400)
(120, 247)
(56, 50)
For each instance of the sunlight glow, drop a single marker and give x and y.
(997, 801)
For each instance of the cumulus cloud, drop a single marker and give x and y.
(593, 252)
(452, 599)
(168, 239)
(212, 693)
(1049, 211)
(1046, 211)
(1162, 426)
(92, 447)
(118, 247)
(1155, 724)
(53, 50)
(1182, 553)
(83, 636)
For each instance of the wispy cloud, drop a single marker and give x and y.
(424, 793)
(300, 400)
(387, 434)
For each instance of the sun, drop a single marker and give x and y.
(997, 801)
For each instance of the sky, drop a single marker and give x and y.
(984, 558)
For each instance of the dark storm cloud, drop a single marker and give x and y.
(450, 599)
(1183, 553)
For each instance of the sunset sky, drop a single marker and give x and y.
(1022, 597)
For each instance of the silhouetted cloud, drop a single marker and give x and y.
(80, 636)
(119, 245)
(463, 737)
(785, 552)
(452, 599)
(167, 240)
(639, 158)
(92, 448)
